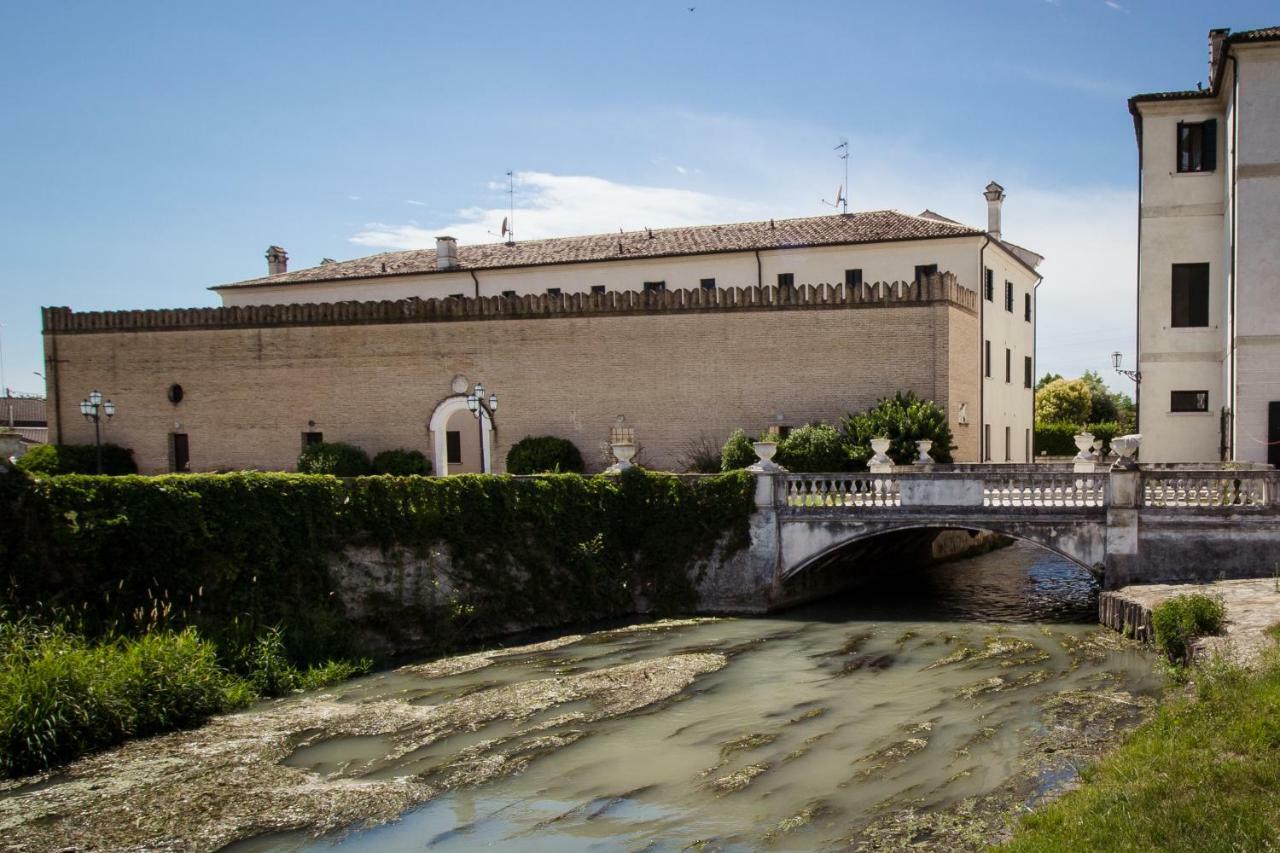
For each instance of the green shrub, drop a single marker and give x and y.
(813, 448)
(1058, 439)
(701, 455)
(1179, 620)
(50, 459)
(904, 419)
(737, 452)
(544, 454)
(336, 458)
(401, 463)
(61, 695)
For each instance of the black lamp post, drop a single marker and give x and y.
(1135, 375)
(482, 408)
(93, 408)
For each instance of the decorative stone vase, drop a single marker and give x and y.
(1084, 444)
(624, 452)
(880, 463)
(1125, 447)
(923, 446)
(11, 446)
(765, 451)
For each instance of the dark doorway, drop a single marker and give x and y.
(1273, 433)
(179, 453)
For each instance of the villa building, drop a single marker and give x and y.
(677, 333)
(1209, 258)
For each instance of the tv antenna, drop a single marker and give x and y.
(509, 221)
(842, 191)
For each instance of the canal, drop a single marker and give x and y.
(928, 708)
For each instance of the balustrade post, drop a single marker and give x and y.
(1124, 502)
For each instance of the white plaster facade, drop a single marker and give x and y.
(1005, 412)
(1229, 218)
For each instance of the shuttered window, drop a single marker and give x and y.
(1198, 146)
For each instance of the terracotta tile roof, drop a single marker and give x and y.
(870, 227)
(1263, 34)
(23, 411)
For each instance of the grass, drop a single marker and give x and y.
(62, 694)
(1201, 775)
(1180, 619)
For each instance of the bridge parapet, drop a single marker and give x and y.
(1209, 489)
(993, 487)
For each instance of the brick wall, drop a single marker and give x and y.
(253, 386)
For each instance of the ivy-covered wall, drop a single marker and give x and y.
(236, 552)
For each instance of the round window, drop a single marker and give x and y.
(175, 393)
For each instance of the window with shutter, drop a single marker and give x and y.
(1197, 146)
(986, 358)
(1190, 296)
(1008, 296)
(989, 285)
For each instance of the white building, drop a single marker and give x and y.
(1209, 258)
(874, 246)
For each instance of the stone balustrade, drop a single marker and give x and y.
(1210, 489)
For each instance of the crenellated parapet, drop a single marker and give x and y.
(938, 288)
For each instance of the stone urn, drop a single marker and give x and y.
(1125, 447)
(1084, 444)
(880, 462)
(624, 452)
(923, 446)
(765, 449)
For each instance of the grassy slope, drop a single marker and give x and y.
(1203, 775)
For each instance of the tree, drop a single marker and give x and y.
(1102, 404)
(904, 418)
(1064, 401)
(1046, 379)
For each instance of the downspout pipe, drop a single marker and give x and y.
(759, 271)
(1137, 344)
(1230, 436)
(476, 281)
(982, 350)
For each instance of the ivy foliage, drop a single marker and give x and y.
(77, 459)
(237, 555)
(544, 454)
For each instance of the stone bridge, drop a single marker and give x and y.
(1142, 524)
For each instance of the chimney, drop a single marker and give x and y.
(995, 198)
(446, 253)
(1216, 38)
(277, 260)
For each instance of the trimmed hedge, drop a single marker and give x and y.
(813, 448)
(737, 452)
(336, 458)
(52, 459)
(1059, 439)
(544, 454)
(402, 463)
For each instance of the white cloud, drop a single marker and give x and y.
(1086, 233)
(1114, 5)
(353, 197)
(415, 202)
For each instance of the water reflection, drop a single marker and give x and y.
(924, 695)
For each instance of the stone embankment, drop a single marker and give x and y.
(1252, 606)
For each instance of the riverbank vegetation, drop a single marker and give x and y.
(114, 584)
(1201, 775)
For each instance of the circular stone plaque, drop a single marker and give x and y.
(459, 385)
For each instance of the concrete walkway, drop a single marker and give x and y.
(1252, 607)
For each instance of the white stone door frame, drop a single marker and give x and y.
(439, 424)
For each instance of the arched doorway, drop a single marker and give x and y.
(459, 444)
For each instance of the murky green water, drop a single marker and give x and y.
(830, 723)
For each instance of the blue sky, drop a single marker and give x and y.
(148, 150)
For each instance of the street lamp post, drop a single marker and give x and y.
(93, 408)
(1135, 375)
(482, 408)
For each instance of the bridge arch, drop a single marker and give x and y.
(804, 545)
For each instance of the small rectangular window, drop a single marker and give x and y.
(986, 442)
(784, 431)
(852, 278)
(597, 288)
(1008, 365)
(708, 284)
(1008, 445)
(179, 453)
(1188, 401)
(925, 270)
(1198, 146)
(655, 286)
(457, 296)
(1190, 297)
(309, 438)
(1027, 441)
(986, 358)
(1008, 296)
(786, 279)
(453, 447)
(989, 284)
(1026, 307)
(553, 291)
(1026, 371)
(508, 294)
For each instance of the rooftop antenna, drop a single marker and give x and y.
(509, 221)
(842, 197)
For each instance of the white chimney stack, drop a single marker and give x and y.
(277, 260)
(446, 253)
(995, 198)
